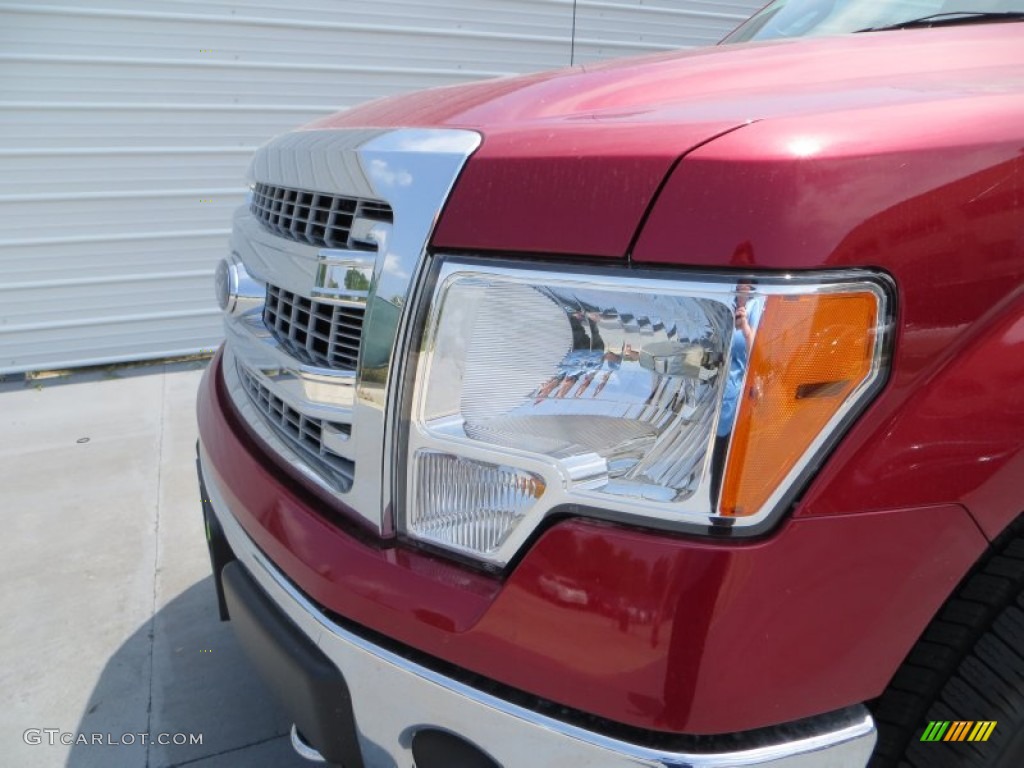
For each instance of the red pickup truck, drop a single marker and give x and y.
(665, 412)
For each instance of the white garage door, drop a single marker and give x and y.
(126, 128)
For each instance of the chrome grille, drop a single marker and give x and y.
(333, 217)
(316, 218)
(302, 432)
(315, 332)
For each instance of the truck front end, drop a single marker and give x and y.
(532, 440)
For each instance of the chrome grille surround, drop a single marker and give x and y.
(284, 384)
(315, 332)
(314, 217)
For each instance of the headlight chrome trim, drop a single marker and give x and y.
(558, 502)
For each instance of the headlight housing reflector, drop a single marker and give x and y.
(615, 392)
(468, 505)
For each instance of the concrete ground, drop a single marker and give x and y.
(110, 627)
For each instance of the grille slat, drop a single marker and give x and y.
(314, 332)
(371, 209)
(312, 217)
(307, 233)
(302, 432)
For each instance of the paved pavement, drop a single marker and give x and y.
(110, 627)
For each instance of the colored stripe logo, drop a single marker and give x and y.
(958, 730)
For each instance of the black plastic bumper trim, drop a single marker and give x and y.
(216, 543)
(312, 690)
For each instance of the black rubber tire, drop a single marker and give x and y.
(968, 665)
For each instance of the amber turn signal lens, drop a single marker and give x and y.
(811, 358)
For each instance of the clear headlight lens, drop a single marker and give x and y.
(537, 389)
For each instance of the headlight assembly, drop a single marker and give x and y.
(680, 401)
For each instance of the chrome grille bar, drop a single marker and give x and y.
(315, 332)
(304, 433)
(316, 218)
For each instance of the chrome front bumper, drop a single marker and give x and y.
(393, 698)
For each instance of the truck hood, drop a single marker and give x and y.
(571, 160)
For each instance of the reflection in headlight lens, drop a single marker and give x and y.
(624, 385)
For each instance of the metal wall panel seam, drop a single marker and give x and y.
(646, 47)
(734, 18)
(246, 65)
(75, 282)
(47, 197)
(186, 149)
(162, 106)
(107, 320)
(111, 238)
(257, 21)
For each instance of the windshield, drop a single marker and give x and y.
(813, 18)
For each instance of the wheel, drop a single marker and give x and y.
(968, 666)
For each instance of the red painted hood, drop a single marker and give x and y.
(572, 159)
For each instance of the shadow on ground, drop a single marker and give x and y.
(186, 670)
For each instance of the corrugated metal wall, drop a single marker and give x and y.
(126, 128)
